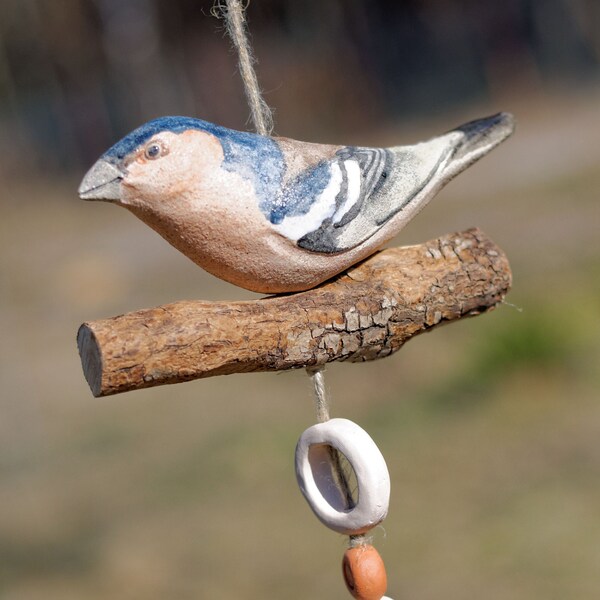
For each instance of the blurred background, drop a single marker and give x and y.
(491, 427)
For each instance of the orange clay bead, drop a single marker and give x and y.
(364, 573)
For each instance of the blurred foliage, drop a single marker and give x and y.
(76, 74)
(530, 341)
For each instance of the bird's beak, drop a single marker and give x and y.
(475, 139)
(102, 182)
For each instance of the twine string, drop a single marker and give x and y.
(340, 476)
(321, 399)
(233, 13)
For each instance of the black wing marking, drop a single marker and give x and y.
(375, 166)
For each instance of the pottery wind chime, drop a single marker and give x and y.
(272, 215)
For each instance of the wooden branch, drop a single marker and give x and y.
(366, 313)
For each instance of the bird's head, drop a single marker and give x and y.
(156, 163)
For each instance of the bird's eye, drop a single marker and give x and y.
(154, 150)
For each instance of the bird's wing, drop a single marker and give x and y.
(341, 202)
(320, 203)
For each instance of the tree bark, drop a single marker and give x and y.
(366, 313)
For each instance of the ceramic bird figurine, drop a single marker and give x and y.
(274, 214)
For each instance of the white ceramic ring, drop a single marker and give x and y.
(313, 472)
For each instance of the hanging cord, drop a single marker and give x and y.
(338, 473)
(233, 13)
(321, 400)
